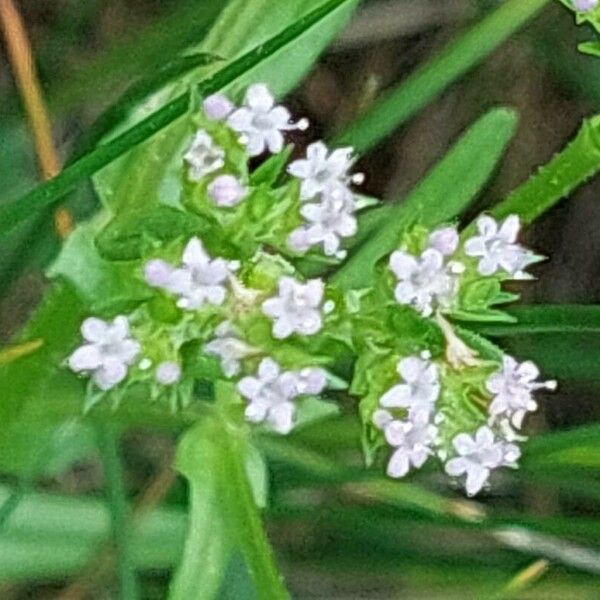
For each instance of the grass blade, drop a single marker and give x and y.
(451, 63)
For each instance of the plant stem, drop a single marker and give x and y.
(108, 443)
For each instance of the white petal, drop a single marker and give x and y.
(464, 444)
(475, 246)
(281, 417)
(314, 289)
(256, 144)
(259, 98)
(398, 465)
(274, 141)
(402, 264)
(487, 226)
(283, 328)
(510, 229)
(410, 368)
(240, 120)
(455, 467)
(274, 307)
(249, 387)
(85, 358)
(476, 478)
(194, 253)
(397, 397)
(268, 370)
(110, 374)
(256, 412)
(94, 330)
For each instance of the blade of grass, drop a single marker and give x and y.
(441, 196)
(108, 444)
(51, 192)
(451, 63)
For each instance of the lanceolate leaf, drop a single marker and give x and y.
(451, 63)
(444, 193)
(49, 193)
(571, 167)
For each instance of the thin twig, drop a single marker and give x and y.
(23, 66)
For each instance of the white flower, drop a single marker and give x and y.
(226, 190)
(426, 282)
(444, 240)
(168, 373)
(327, 223)
(585, 5)
(421, 388)
(108, 353)
(512, 388)
(270, 394)
(230, 349)
(497, 249)
(320, 171)
(311, 381)
(217, 107)
(412, 440)
(478, 456)
(199, 280)
(261, 122)
(296, 308)
(203, 156)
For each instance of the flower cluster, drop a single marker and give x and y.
(329, 203)
(227, 304)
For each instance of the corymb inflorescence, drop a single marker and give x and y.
(230, 306)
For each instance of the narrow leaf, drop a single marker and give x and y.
(430, 80)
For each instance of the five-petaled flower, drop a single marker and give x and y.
(260, 122)
(327, 223)
(427, 282)
(203, 156)
(296, 308)
(478, 455)
(421, 387)
(411, 439)
(321, 171)
(198, 281)
(497, 248)
(270, 395)
(512, 388)
(107, 353)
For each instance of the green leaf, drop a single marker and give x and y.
(47, 194)
(548, 334)
(451, 63)
(128, 236)
(570, 168)
(440, 197)
(224, 515)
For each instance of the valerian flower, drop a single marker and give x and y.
(198, 281)
(168, 373)
(478, 456)
(260, 122)
(512, 388)
(421, 387)
(321, 171)
(108, 353)
(226, 191)
(271, 394)
(203, 156)
(328, 222)
(296, 308)
(497, 249)
(412, 440)
(426, 282)
(229, 348)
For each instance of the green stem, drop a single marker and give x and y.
(108, 443)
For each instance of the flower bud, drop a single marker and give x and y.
(168, 373)
(585, 5)
(226, 190)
